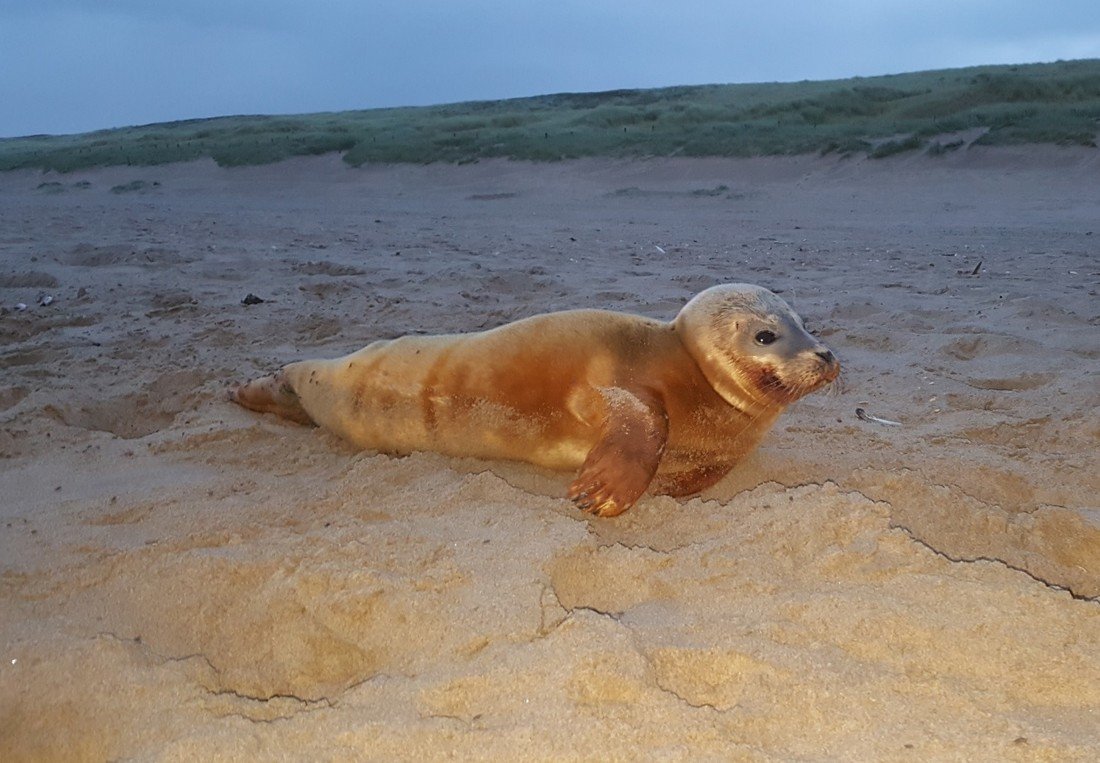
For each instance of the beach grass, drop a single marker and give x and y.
(1054, 103)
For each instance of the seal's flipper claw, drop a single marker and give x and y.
(621, 465)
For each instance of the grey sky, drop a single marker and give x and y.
(76, 65)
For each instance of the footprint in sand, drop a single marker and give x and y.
(11, 397)
(134, 415)
(326, 268)
(89, 256)
(1010, 383)
(32, 279)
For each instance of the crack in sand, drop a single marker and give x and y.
(295, 704)
(987, 505)
(284, 706)
(660, 686)
(615, 616)
(993, 560)
(684, 700)
(638, 546)
(464, 722)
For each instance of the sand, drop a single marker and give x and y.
(181, 579)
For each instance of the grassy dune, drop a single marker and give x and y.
(1039, 103)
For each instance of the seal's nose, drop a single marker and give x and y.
(832, 365)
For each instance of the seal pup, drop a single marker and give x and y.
(631, 402)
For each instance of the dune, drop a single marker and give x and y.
(183, 579)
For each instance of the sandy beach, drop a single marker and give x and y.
(181, 579)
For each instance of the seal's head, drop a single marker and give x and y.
(753, 349)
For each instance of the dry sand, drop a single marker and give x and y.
(185, 580)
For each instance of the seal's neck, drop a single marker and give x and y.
(720, 371)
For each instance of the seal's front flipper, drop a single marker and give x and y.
(271, 394)
(622, 464)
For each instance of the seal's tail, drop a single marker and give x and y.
(271, 394)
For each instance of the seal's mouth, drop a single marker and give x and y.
(767, 381)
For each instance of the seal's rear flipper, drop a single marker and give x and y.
(621, 465)
(271, 394)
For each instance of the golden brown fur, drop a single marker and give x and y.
(625, 399)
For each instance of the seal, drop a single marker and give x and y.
(631, 402)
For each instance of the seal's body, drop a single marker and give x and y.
(625, 399)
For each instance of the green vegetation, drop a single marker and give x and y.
(1039, 103)
(891, 147)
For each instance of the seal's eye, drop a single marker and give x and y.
(765, 337)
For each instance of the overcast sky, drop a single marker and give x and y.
(77, 65)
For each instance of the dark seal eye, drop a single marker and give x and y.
(765, 337)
